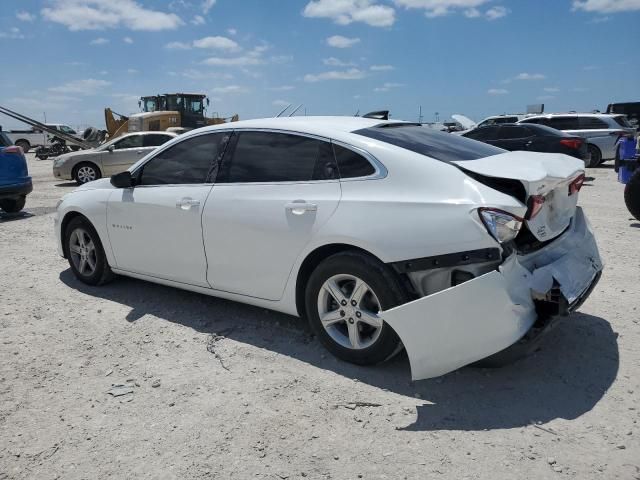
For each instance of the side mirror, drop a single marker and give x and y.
(122, 180)
(111, 148)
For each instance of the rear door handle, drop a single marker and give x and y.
(300, 208)
(187, 203)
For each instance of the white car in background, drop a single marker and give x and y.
(602, 131)
(382, 234)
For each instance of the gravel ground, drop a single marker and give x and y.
(216, 389)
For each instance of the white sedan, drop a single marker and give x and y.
(382, 234)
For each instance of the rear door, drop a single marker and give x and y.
(273, 193)
(515, 137)
(155, 228)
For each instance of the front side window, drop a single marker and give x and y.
(483, 134)
(190, 161)
(513, 132)
(273, 157)
(431, 143)
(132, 141)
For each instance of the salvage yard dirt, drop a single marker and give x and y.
(136, 380)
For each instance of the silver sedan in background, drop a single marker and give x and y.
(111, 157)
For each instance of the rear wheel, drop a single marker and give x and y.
(86, 172)
(344, 298)
(13, 205)
(85, 254)
(24, 145)
(596, 156)
(632, 195)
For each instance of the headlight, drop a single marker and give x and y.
(503, 226)
(58, 162)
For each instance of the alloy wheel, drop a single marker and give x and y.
(83, 252)
(86, 174)
(349, 311)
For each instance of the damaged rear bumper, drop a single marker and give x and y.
(500, 309)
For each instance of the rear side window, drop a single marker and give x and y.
(155, 140)
(186, 162)
(273, 157)
(484, 133)
(445, 147)
(513, 132)
(563, 123)
(352, 164)
(592, 123)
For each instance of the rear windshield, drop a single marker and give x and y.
(445, 147)
(622, 121)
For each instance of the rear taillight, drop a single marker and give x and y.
(574, 143)
(14, 149)
(535, 205)
(576, 185)
(503, 226)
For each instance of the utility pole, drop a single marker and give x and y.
(420, 114)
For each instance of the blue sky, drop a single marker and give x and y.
(72, 58)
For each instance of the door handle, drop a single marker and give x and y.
(187, 203)
(299, 207)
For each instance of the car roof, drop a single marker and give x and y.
(321, 126)
(576, 114)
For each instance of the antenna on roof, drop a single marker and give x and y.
(283, 110)
(357, 113)
(295, 110)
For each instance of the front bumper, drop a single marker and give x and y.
(15, 190)
(474, 320)
(62, 173)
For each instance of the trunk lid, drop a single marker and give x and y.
(547, 175)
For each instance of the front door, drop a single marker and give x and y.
(122, 154)
(155, 227)
(268, 202)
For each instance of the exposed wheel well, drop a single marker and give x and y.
(63, 227)
(312, 261)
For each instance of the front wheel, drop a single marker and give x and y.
(86, 172)
(13, 205)
(24, 145)
(85, 254)
(596, 156)
(344, 298)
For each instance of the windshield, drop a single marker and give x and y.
(150, 104)
(445, 147)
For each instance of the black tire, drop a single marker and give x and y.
(632, 195)
(382, 281)
(79, 172)
(24, 145)
(596, 156)
(13, 205)
(99, 275)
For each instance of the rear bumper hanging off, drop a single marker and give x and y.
(474, 320)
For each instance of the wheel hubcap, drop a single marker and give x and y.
(83, 252)
(349, 311)
(86, 174)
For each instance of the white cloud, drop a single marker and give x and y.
(388, 86)
(338, 41)
(344, 12)
(495, 13)
(177, 46)
(198, 20)
(100, 14)
(497, 91)
(381, 68)
(606, 6)
(127, 40)
(25, 16)
(439, 8)
(87, 86)
(334, 62)
(351, 74)
(529, 76)
(229, 89)
(597, 20)
(280, 103)
(552, 89)
(232, 31)
(589, 68)
(579, 89)
(207, 5)
(13, 33)
(193, 74)
(132, 71)
(282, 88)
(216, 43)
(472, 13)
(242, 61)
(99, 41)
